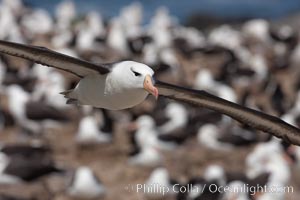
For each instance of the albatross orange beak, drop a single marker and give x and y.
(149, 87)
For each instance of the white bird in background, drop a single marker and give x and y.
(162, 22)
(257, 29)
(147, 156)
(85, 184)
(215, 173)
(116, 38)
(147, 135)
(65, 13)
(225, 135)
(25, 163)
(17, 99)
(178, 116)
(204, 80)
(8, 23)
(168, 56)
(50, 83)
(162, 18)
(61, 39)
(132, 16)
(56, 83)
(150, 55)
(32, 115)
(96, 24)
(88, 30)
(125, 84)
(259, 64)
(85, 39)
(40, 17)
(259, 162)
(225, 36)
(89, 131)
(159, 177)
(146, 144)
(208, 136)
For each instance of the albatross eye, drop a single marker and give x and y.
(136, 73)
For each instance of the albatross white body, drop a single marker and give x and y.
(116, 90)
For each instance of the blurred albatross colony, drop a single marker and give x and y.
(50, 150)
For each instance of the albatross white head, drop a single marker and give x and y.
(134, 75)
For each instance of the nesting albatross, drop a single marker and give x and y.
(125, 84)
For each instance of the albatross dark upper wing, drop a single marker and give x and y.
(51, 58)
(253, 118)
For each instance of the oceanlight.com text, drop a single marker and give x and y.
(156, 188)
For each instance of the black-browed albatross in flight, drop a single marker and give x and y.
(125, 84)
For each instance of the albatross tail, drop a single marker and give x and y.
(70, 98)
(66, 93)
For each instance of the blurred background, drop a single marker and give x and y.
(244, 51)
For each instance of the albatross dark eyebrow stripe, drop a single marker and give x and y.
(51, 58)
(251, 117)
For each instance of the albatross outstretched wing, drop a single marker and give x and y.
(51, 58)
(253, 118)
